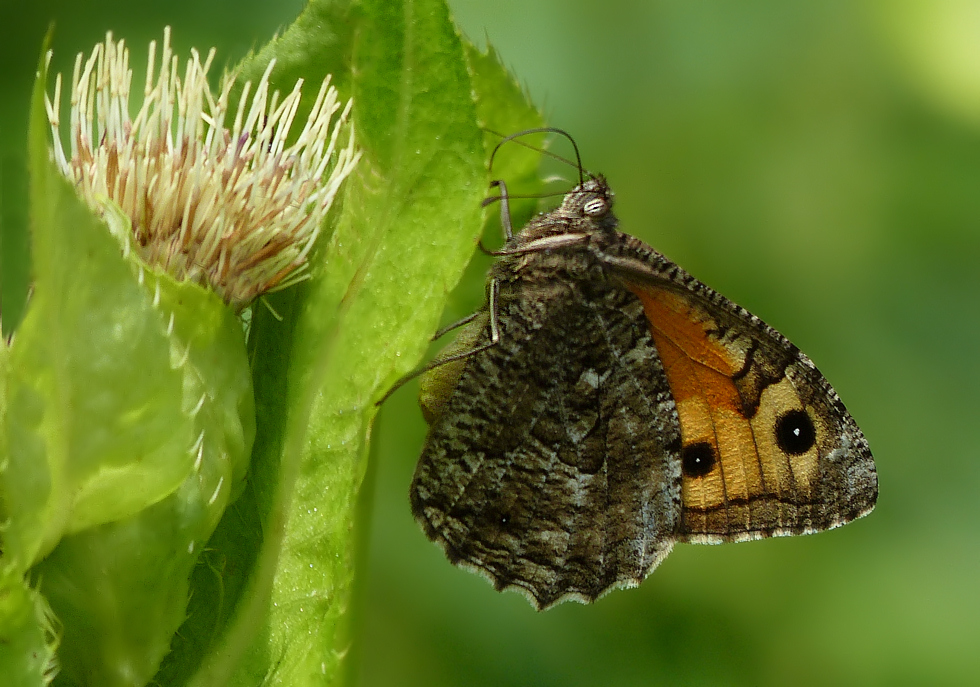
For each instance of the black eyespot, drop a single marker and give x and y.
(795, 432)
(595, 207)
(698, 459)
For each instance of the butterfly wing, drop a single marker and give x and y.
(626, 406)
(554, 468)
(768, 446)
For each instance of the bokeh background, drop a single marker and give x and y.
(819, 163)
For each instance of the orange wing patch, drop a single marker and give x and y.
(735, 477)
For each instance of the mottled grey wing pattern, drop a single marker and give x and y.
(554, 468)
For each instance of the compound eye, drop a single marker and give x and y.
(595, 207)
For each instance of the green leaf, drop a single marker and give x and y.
(318, 43)
(410, 216)
(504, 108)
(27, 636)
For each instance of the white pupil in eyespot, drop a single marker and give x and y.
(596, 206)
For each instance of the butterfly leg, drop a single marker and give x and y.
(455, 325)
(504, 209)
(494, 332)
(505, 223)
(493, 290)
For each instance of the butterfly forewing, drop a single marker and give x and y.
(769, 448)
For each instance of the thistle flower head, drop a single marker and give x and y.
(226, 204)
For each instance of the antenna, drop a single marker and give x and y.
(545, 130)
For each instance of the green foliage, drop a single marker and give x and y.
(27, 638)
(184, 499)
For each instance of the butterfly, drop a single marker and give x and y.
(604, 405)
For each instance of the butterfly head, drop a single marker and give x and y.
(589, 205)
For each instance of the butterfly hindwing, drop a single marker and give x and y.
(554, 466)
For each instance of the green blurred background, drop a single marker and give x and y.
(819, 163)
